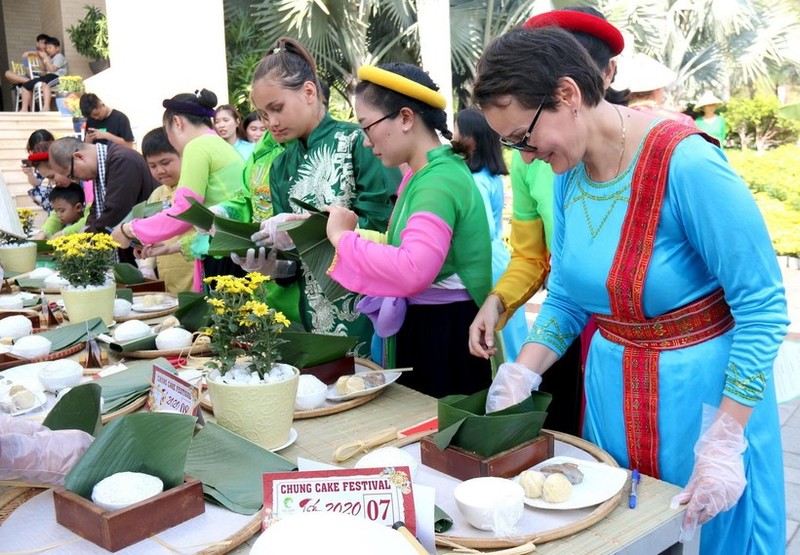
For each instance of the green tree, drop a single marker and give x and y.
(244, 46)
(757, 123)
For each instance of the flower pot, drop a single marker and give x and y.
(78, 123)
(261, 413)
(61, 104)
(99, 65)
(18, 257)
(84, 303)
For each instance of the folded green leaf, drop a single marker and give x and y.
(147, 343)
(154, 443)
(463, 422)
(193, 311)
(42, 246)
(304, 349)
(78, 409)
(124, 293)
(72, 334)
(127, 274)
(312, 244)
(307, 207)
(144, 210)
(231, 236)
(442, 521)
(197, 215)
(122, 388)
(235, 486)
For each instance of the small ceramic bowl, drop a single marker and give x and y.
(311, 393)
(490, 503)
(60, 374)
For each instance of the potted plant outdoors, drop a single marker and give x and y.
(252, 393)
(68, 99)
(85, 261)
(18, 254)
(90, 38)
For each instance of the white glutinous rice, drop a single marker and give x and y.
(15, 326)
(122, 308)
(125, 488)
(173, 338)
(31, 346)
(130, 330)
(40, 273)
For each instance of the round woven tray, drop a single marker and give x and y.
(197, 349)
(52, 356)
(127, 409)
(148, 315)
(330, 407)
(599, 513)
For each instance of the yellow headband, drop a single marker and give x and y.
(402, 85)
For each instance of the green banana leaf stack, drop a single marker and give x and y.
(230, 236)
(65, 337)
(463, 423)
(77, 409)
(123, 388)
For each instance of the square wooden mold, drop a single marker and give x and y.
(462, 464)
(331, 371)
(114, 530)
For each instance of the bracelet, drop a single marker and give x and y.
(129, 237)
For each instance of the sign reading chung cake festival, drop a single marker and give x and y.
(382, 495)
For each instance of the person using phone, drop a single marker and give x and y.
(104, 124)
(39, 191)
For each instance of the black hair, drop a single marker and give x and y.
(89, 101)
(52, 40)
(203, 97)
(600, 52)
(42, 36)
(72, 193)
(37, 137)
(250, 118)
(325, 92)
(155, 142)
(41, 146)
(528, 64)
(484, 148)
(391, 102)
(288, 62)
(237, 118)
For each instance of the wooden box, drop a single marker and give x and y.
(331, 371)
(462, 464)
(148, 286)
(114, 530)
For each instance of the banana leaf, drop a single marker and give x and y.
(304, 349)
(124, 293)
(193, 311)
(310, 208)
(463, 422)
(42, 246)
(235, 486)
(67, 336)
(122, 388)
(27, 283)
(154, 443)
(146, 343)
(790, 111)
(442, 521)
(144, 210)
(311, 242)
(78, 409)
(127, 274)
(231, 236)
(197, 215)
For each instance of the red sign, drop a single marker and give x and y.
(382, 495)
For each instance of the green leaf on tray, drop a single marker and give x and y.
(72, 334)
(312, 244)
(197, 215)
(304, 349)
(231, 236)
(78, 409)
(146, 343)
(193, 311)
(124, 293)
(144, 210)
(235, 486)
(442, 521)
(463, 422)
(123, 388)
(153, 443)
(42, 246)
(127, 274)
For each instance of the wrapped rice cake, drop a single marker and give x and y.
(358, 382)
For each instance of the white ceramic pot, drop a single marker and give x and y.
(84, 304)
(18, 258)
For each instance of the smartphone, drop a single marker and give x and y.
(27, 163)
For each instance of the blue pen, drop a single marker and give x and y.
(634, 487)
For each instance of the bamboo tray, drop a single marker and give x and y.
(329, 407)
(7, 360)
(134, 315)
(199, 349)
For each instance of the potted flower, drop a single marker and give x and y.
(68, 99)
(90, 38)
(252, 393)
(17, 254)
(85, 261)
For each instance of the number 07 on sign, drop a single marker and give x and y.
(382, 495)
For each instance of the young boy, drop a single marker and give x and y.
(69, 204)
(165, 166)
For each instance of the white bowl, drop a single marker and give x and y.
(31, 346)
(311, 393)
(59, 374)
(490, 503)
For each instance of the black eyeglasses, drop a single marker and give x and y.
(366, 128)
(522, 144)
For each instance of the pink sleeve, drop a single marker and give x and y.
(384, 270)
(160, 227)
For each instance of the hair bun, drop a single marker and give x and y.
(206, 98)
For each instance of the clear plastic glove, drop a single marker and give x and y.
(34, 453)
(267, 264)
(512, 384)
(718, 480)
(269, 236)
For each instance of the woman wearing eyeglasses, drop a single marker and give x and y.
(690, 319)
(324, 163)
(427, 277)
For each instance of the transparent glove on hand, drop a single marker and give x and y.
(512, 384)
(267, 264)
(269, 236)
(718, 479)
(34, 453)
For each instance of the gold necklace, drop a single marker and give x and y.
(621, 144)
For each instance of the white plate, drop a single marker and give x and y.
(292, 439)
(7, 381)
(333, 395)
(170, 303)
(600, 482)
